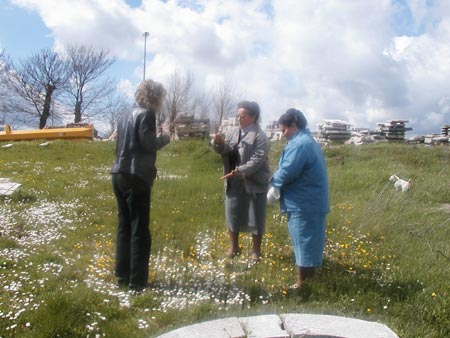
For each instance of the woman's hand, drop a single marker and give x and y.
(218, 139)
(232, 173)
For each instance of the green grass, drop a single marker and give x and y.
(387, 256)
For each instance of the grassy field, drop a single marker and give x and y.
(387, 255)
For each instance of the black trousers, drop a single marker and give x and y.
(133, 234)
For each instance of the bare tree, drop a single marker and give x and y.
(3, 90)
(10, 111)
(89, 86)
(224, 100)
(163, 114)
(199, 105)
(179, 90)
(35, 83)
(117, 105)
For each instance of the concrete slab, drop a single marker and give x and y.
(221, 328)
(309, 325)
(7, 187)
(289, 325)
(267, 326)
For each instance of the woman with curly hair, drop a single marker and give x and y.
(133, 173)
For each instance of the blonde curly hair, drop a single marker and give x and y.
(150, 94)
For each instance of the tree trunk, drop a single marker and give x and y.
(47, 104)
(43, 121)
(173, 116)
(77, 112)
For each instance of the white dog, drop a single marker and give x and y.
(399, 183)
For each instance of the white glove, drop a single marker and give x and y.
(273, 195)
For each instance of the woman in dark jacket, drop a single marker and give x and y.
(133, 173)
(245, 151)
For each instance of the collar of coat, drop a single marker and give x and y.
(249, 133)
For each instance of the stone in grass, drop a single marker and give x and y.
(7, 187)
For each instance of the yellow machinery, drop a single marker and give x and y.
(47, 134)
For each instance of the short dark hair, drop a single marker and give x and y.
(252, 108)
(293, 115)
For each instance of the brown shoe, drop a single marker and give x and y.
(256, 257)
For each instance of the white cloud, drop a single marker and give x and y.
(104, 24)
(126, 87)
(333, 59)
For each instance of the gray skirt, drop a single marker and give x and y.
(244, 212)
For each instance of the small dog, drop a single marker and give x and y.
(399, 183)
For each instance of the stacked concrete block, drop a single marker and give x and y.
(334, 131)
(445, 130)
(394, 130)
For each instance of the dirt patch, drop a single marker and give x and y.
(445, 208)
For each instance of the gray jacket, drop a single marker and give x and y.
(137, 144)
(252, 161)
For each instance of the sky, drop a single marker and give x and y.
(361, 61)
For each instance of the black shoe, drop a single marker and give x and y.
(136, 288)
(122, 282)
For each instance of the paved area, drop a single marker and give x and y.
(284, 326)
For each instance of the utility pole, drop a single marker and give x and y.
(146, 34)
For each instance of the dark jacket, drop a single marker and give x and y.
(137, 144)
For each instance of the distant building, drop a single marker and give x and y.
(273, 131)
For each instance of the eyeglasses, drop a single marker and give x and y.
(243, 116)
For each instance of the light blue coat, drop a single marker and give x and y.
(302, 176)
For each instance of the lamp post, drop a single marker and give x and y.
(146, 34)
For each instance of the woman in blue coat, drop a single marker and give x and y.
(303, 182)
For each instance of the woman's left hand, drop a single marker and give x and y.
(232, 173)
